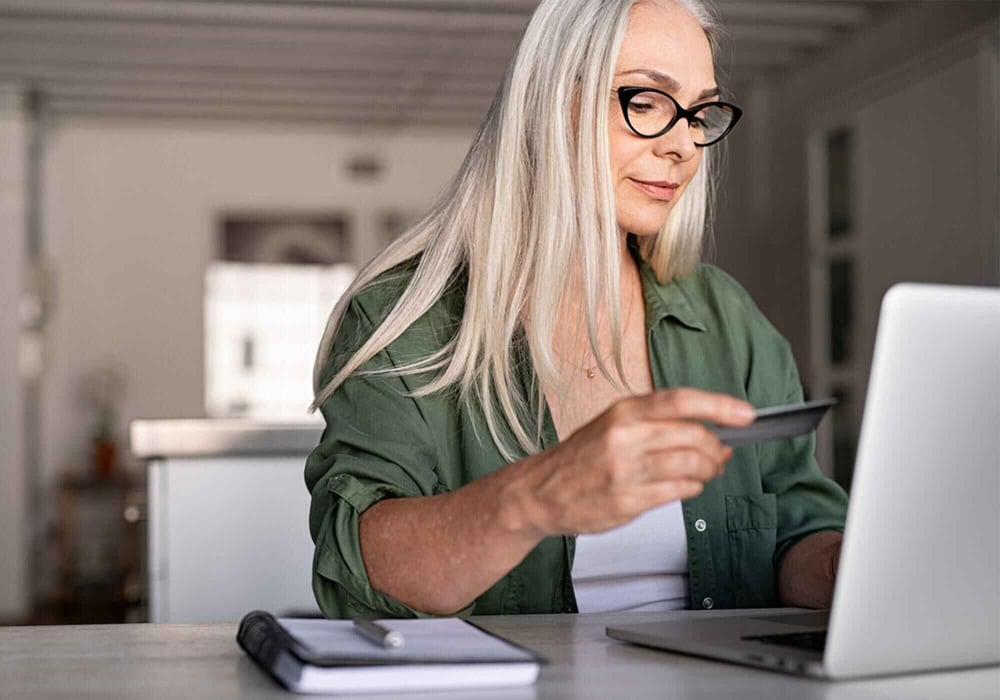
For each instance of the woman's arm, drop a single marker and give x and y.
(438, 553)
(809, 570)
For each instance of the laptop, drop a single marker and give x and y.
(918, 586)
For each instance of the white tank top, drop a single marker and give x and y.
(639, 566)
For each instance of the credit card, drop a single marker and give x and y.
(776, 423)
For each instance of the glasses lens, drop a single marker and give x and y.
(710, 123)
(650, 112)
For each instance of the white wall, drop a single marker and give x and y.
(131, 217)
(13, 543)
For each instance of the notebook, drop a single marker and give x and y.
(329, 656)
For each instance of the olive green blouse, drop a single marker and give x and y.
(703, 331)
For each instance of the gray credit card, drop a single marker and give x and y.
(777, 423)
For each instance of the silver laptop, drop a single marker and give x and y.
(919, 581)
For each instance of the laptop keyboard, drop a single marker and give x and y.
(811, 641)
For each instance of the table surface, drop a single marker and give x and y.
(203, 661)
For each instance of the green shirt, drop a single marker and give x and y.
(703, 331)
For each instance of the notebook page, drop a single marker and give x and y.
(438, 639)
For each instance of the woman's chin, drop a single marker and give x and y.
(644, 233)
(642, 229)
(647, 221)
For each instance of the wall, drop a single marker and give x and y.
(744, 199)
(763, 241)
(131, 213)
(923, 197)
(13, 534)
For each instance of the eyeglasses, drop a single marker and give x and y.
(651, 113)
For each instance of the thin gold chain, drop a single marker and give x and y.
(590, 371)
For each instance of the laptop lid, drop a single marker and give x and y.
(919, 579)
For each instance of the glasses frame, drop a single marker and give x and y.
(626, 93)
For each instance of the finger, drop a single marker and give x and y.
(680, 465)
(653, 438)
(627, 507)
(661, 493)
(692, 404)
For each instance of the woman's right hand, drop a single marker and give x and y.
(642, 452)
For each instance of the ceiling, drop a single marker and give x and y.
(368, 62)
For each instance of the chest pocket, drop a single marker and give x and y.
(752, 525)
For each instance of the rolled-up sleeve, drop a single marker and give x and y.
(376, 445)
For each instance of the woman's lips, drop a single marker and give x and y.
(657, 190)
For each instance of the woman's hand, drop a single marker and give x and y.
(642, 452)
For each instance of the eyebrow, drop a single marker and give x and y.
(669, 84)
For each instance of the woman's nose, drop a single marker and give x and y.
(677, 143)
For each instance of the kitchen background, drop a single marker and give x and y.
(187, 185)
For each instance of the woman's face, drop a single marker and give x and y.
(664, 48)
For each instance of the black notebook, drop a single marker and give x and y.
(329, 656)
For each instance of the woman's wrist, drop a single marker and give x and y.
(517, 510)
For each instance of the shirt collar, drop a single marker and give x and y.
(664, 300)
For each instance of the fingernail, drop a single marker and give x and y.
(745, 410)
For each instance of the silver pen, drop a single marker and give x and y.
(376, 633)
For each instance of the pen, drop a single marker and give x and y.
(374, 632)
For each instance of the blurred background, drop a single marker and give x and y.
(186, 186)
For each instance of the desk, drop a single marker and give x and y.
(203, 661)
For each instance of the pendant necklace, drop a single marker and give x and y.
(591, 372)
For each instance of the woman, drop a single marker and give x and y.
(515, 391)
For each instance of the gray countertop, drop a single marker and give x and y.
(151, 439)
(203, 661)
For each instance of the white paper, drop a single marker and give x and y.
(438, 639)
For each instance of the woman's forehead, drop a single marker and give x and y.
(664, 39)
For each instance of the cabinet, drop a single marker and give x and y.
(228, 518)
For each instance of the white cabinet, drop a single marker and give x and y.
(228, 533)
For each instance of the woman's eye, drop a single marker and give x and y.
(639, 107)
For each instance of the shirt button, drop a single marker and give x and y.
(700, 525)
(708, 603)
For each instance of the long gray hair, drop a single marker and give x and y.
(532, 202)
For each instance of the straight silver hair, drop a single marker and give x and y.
(532, 202)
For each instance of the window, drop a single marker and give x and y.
(841, 310)
(263, 325)
(835, 245)
(838, 183)
(266, 304)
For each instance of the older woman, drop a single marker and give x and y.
(515, 391)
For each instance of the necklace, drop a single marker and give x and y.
(591, 371)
